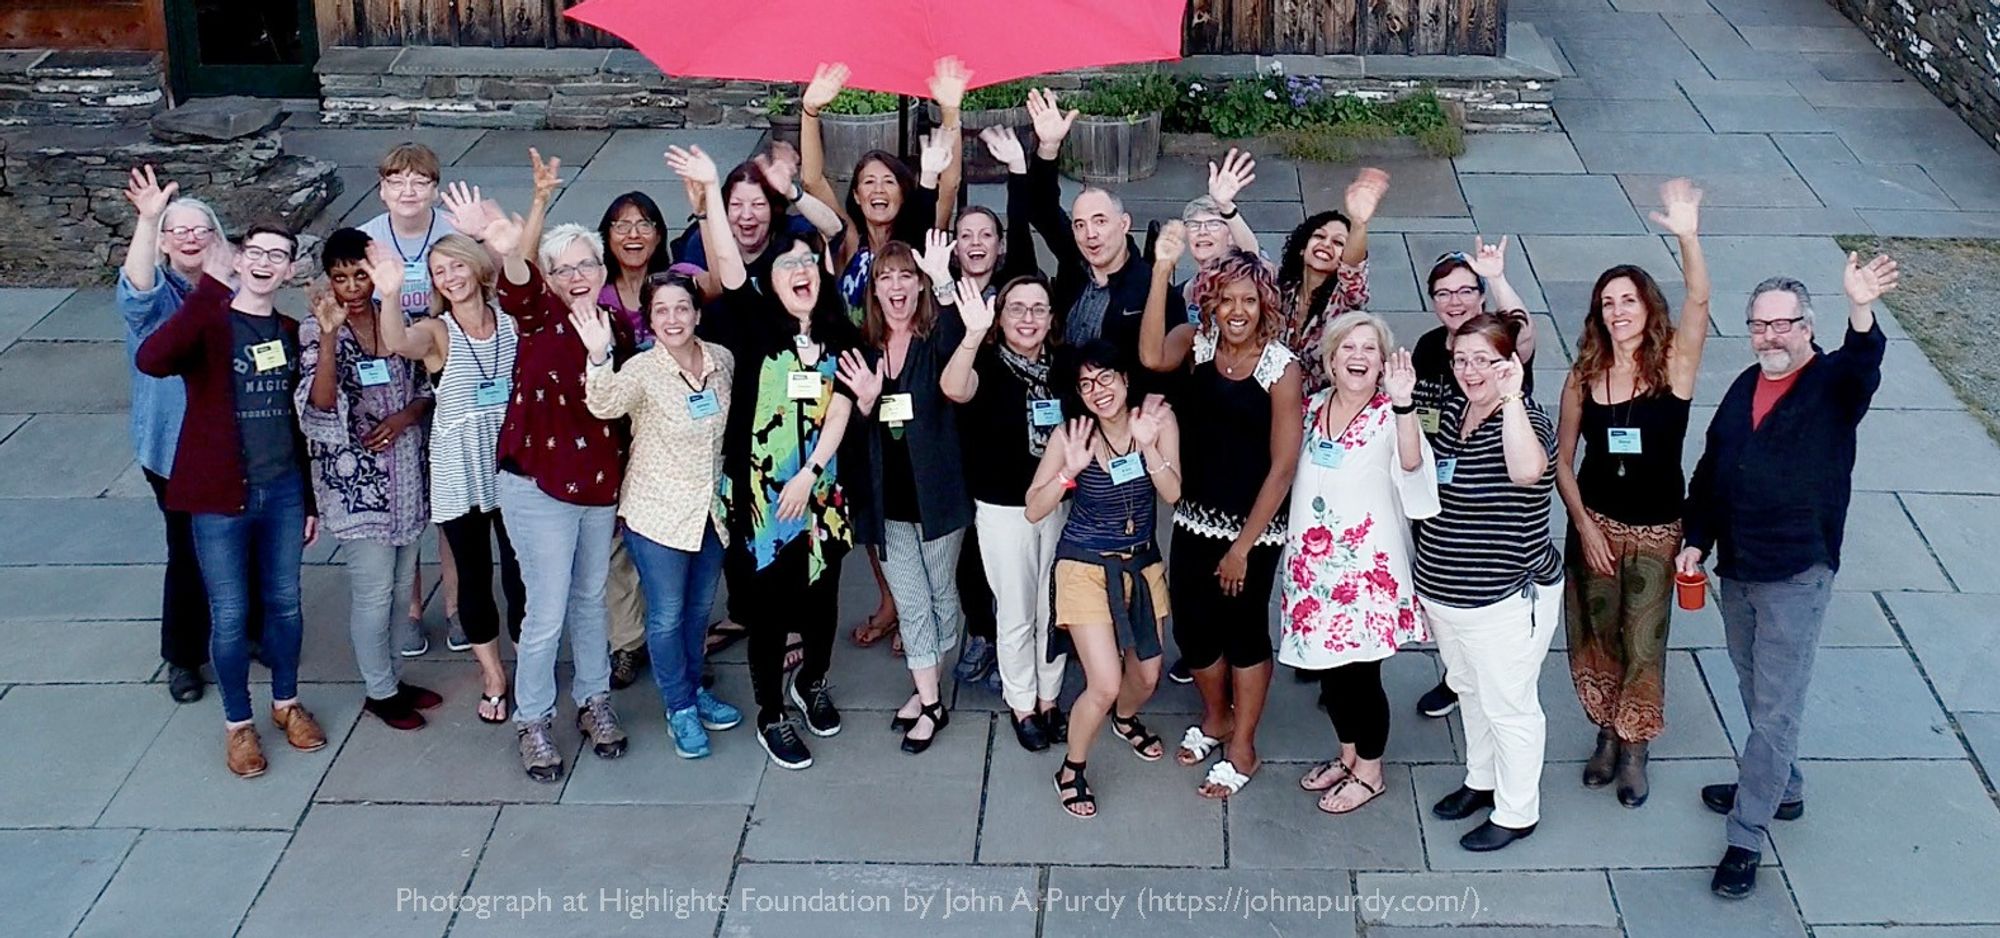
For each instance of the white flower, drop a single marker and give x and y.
(1277, 68)
(1270, 95)
(1195, 86)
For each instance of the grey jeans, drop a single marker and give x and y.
(1773, 630)
(565, 554)
(378, 575)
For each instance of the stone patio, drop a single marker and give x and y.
(117, 817)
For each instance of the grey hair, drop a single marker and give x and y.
(214, 220)
(1789, 285)
(1117, 204)
(1200, 205)
(558, 240)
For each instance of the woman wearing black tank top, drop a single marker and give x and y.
(1627, 399)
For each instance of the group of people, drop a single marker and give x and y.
(628, 420)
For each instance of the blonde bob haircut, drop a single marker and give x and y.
(1338, 330)
(461, 248)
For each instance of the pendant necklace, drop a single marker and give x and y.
(1131, 503)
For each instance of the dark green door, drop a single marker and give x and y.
(264, 48)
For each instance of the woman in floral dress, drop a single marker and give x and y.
(1364, 471)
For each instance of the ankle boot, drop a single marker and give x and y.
(1597, 772)
(1632, 788)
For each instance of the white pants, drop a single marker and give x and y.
(1493, 660)
(1017, 556)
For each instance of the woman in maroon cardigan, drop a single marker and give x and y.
(240, 471)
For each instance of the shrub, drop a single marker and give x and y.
(857, 102)
(995, 97)
(1129, 96)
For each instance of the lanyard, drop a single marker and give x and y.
(397, 243)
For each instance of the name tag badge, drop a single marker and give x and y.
(268, 355)
(1194, 314)
(896, 408)
(1428, 418)
(492, 393)
(1446, 469)
(373, 372)
(1126, 468)
(415, 272)
(803, 385)
(1327, 454)
(704, 404)
(1624, 440)
(1045, 413)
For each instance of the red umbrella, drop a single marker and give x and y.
(889, 45)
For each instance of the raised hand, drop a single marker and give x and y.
(1399, 378)
(328, 312)
(148, 196)
(1364, 194)
(936, 155)
(1507, 375)
(1051, 122)
(1680, 208)
(826, 83)
(1865, 283)
(548, 174)
(697, 195)
(470, 212)
(1005, 145)
(1488, 260)
(935, 261)
(386, 270)
(592, 326)
(693, 165)
(863, 379)
(219, 261)
(779, 167)
(1147, 422)
(503, 233)
(973, 307)
(1238, 171)
(948, 82)
(1076, 446)
(1171, 243)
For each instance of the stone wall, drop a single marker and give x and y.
(38, 86)
(63, 215)
(1952, 46)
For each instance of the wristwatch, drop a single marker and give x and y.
(816, 469)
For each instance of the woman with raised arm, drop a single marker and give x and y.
(1323, 272)
(1627, 401)
(1237, 386)
(759, 196)
(1109, 582)
(788, 514)
(468, 349)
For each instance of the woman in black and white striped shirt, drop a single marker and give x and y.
(1489, 577)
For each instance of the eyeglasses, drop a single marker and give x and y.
(1474, 364)
(642, 226)
(190, 231)
(795, 262)
(408, 183)
(1462, 293)
(1207, 224)
(1779, 326)
(1027, 311)
(578, 269)
(1103, 381)
(272, 255)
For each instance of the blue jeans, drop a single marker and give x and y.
(565, 554)
(258, 550)
(680, 591)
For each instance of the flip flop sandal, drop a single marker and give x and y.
(724, 634)
(1325, 776)
(1077, 784)
(896, 644)
(1224, 774)
(1196, 744)
(1135, 735)
(1373, 791)
(492, 700)
(868, 633)
(795, 655)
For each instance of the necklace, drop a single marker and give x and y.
(1229, 369)
(1131, 501)
(1616, 420)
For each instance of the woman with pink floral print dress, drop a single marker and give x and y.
(1365, 470)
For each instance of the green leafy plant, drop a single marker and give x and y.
(1007, 94)
(1311, 117)
(859, 103)
(779, 103)
(1128, 96)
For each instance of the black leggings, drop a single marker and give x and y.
(777, 600)
(974, 595)
(1353, 697)
(1210, 626)
(471, 536)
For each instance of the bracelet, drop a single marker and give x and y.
(798, 192)
(816, 469)
(1163, 465)
(1400, 409)
(809, 112)
(697, 216)
(1232, 213)
(1068, 483)
(1506, 399)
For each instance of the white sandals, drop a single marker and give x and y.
(1224, 775)
(1197, 743)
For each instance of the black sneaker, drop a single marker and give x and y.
(1179, 673)
(1438, 702)
(1736, 875)
(1055, 725)
(816, 703)
(183, 684)
(782, 743)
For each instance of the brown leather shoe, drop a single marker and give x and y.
(245, 753)
(301, 730)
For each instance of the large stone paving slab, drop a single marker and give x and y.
(1273, 824)
(1518, 153)
(1730, 190)
(615, 857)
(1890, 445)
(1153, 902)
(88, 315)
(48, 780)
(769, 899)
(639, 154)
(22, 307)
(1295, 729)
(1672, 903)
(1415, 900)
(365, 148)
(1693, 729)
(934, 816)
(1580, 259)
(1939, 829)
(1959, 528)
(65, 378)
(183, 781)
(1758, 113)
(1863, 703)
(1883, 551)
(1582, 828)
(1683, 154)
(78, 652)
(1982, 733)
(65, 455)
(651, 772)
(82, 530)
(178, 883)
(1550, 204)
(1899, 135)
(1738, 263)
(48, 879)
(1606, 115)
(416, 859)
(1024, 821)
(1952, 634)
(510, 148)
(1419, 187)
(81, 593)
(1876, 185)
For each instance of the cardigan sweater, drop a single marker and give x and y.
(1772, 501)
(198, 344)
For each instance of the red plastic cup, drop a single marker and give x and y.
(1692, 591)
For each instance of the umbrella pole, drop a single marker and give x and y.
(903, 127)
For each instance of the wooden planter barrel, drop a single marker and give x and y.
(784, 129)
(980, 167)
(846, 136)
(1104, 150)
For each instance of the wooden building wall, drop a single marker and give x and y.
(83, 24)
(502, 23)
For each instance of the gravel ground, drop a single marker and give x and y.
(1949, 302)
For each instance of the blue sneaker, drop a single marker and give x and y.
(690, 740)
(715, 714)
(975, 662)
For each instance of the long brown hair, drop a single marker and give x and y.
(895, 255)
(1594, 350)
